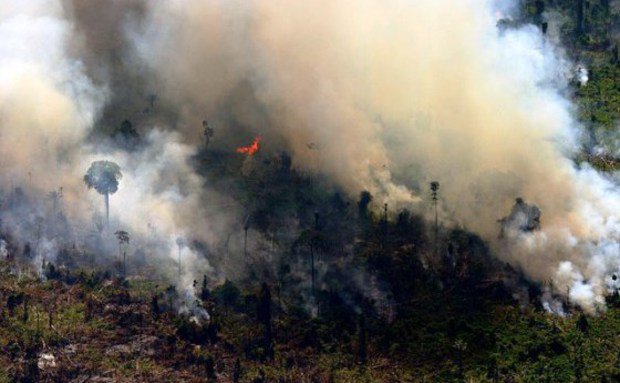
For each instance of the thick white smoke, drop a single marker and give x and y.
(48, 107)
(47, 104)
(384, 96)
(397, 94)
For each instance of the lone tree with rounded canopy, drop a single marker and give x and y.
(103, 176)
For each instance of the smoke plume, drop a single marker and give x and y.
(382, 96)
(396, 95)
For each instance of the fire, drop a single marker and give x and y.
(250, 149)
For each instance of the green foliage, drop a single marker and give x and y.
(103, 176)
(388, 308)
(599, 99)
(604, 163)
(592, 45)
(227, 294)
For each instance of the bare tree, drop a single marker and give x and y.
(56, 197)
(123, 237)
(434, 196)
(264, 317)
(246, 227)
(208, 132)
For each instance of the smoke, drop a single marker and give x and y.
(396, 95)
(53, 94)
(47, 103)
(378, 96)
(47, 106)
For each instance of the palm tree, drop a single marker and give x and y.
(103, 176)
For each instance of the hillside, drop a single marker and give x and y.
(299, 234)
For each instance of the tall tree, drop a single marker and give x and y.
(362, 205)
(56, 197)
(361, 339)
(126, 136)
(313, 241)
(580, 23)
(434, 196)
(208, 132)
(103, 176)
(123, 237)
(204, 292)
(264, 317)
(363, 212)
(246, 227)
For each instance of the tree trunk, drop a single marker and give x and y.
(580, 17)
(312, 267)
(107, 209)
(436, 232)
(245, 246)
(361, 340)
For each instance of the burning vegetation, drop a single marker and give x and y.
(332, 255)
(251, 149)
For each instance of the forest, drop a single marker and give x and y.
(208, 251)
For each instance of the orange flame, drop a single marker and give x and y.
(250, 149)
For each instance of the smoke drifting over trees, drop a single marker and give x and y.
(392, 98)
(103, 176)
